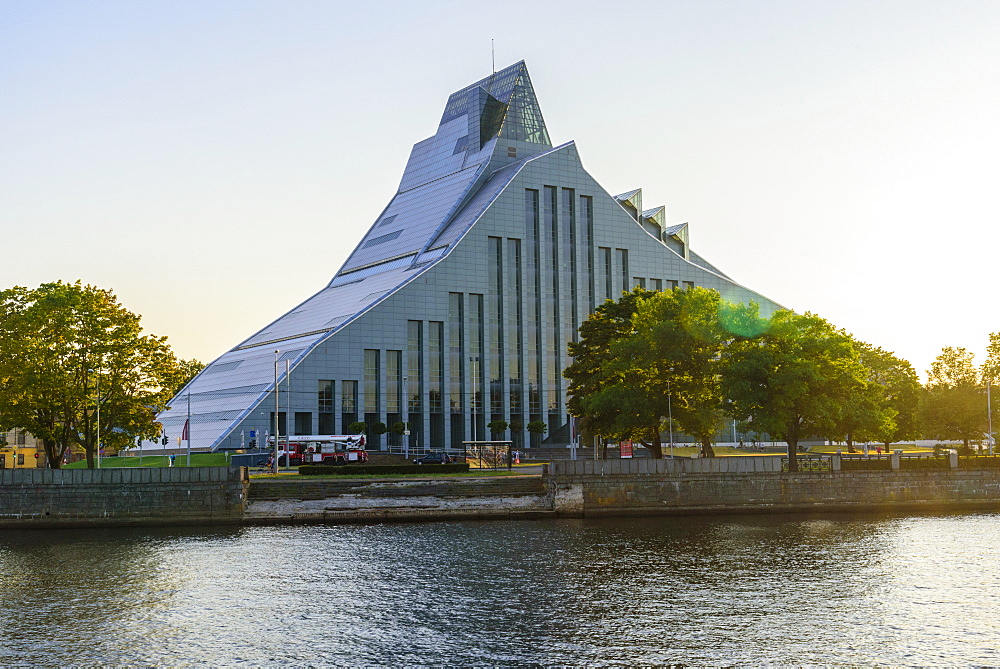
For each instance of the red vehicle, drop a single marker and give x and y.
(316, 449)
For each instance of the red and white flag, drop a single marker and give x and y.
(185, 436)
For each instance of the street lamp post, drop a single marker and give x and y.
(276, 412)
(670, 416)
(989, 413)
(406, 404)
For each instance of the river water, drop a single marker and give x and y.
(711, 590)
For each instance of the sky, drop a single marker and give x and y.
(214, 163)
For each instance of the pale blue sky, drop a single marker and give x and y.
(215, 162)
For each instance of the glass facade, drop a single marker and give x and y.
(464, 291)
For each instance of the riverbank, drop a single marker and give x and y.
(566, 489)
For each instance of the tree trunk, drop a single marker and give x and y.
(706, 448)
(604, 449)
(850, 443)
(52, 454)
(90, 458)
(792, 437)
(656, 446)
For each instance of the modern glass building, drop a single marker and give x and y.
(456, 306)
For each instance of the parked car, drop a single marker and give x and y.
(434, 459)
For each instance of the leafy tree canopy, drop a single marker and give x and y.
(954, 406)
(794, 380)
(67, 349)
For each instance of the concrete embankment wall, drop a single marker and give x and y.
(757, 485)
(125, 496)
(366, 501)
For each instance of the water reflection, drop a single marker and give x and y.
(689, 590)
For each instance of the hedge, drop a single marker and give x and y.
(375, 470)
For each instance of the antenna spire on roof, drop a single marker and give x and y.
(493, 56)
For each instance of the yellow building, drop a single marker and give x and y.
(21, 457)
(18, 449)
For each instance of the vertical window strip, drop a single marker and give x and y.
(553, 341)
(534, 310)
(435, 364)
(371, 380)
(456, 351)
(496, 319)
(414, 366)
(587, 205)
(393, 380)
(516, 324)
(477, 354)
(569, 218)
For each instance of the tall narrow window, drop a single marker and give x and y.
(371, 381)
(569, 223)
(587, 219)
(393, 381)
(435, 366)
(515, 323)
(496, 319)
(349, 396)
(456, 351)
(606, 273)
(435, 380)
(623, 268)
(371, 392)
(456, 368)
(348, 406)
(477, 353)
(325, 396)
(393, 393)
(656, 284)
(414, 386)
(325, 407)
(414, 365)
(533, 311)
(554, 338)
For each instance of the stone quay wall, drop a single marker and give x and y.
(122, 496)
(587, 488)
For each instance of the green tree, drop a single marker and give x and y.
(358, 427)
(66, 349)
(878, 411)
(537, 428)
(898, 391)
(954, 406)
(590, 373)
(186, 370)
(674, 357)
(498, 427)
(793, 380)
(990, 372)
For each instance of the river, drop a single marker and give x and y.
(902, 590)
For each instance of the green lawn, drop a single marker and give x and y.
(197, 460)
